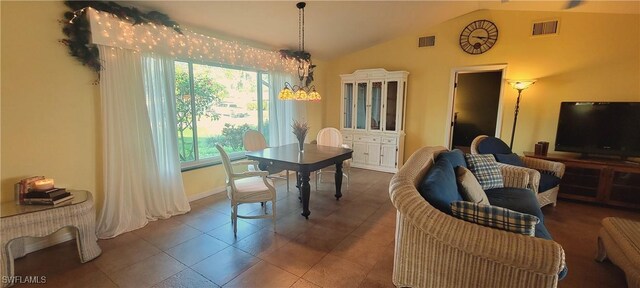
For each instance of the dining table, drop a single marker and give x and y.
(310, 158)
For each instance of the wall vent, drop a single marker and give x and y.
(545, 28)
(427, 41)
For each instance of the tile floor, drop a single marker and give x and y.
(346, 243)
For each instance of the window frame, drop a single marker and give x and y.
(216, 160)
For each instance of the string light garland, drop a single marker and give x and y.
(165, 38)
(78, 31)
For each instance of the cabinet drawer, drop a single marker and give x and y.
(347, 138)
(388, 140)
(372, 139)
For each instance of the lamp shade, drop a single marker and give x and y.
(301, 95)
(521, 84)
(314, 96)
(285, 94)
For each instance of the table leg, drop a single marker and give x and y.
(86, 239)
(298, 185)
(305, 190)
(7, 264)
(338, 180)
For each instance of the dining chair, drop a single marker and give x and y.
(247, 187)
(332, 137)
(255, 141)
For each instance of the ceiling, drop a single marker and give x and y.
(336, 28)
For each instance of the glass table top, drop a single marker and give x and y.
(9, 209)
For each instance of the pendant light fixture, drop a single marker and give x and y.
(304, 91)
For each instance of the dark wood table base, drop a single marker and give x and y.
(304, 187)
(313, 158)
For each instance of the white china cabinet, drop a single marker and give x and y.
(372, 118)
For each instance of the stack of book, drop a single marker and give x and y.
(51, 196)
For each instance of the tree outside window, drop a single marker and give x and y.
(224, 106)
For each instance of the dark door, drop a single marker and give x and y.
(475, 106)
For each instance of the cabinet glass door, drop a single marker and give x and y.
(376, 105)
(347, 117)
(361, 106)
(391, 107)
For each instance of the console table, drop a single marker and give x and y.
(606, 181)
(17, 221)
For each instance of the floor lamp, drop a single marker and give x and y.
(518, 85)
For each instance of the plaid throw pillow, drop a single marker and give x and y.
(486, 170)
(495, 217)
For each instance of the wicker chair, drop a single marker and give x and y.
(433, 249)
(556, 169)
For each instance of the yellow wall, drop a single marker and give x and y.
(50, 121)
(49, 107)
(595, 57)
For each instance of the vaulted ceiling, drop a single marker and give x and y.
(335, 28)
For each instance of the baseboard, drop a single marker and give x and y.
(201, 195)
(376, 168)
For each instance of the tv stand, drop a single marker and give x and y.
(607, 181)
(623, 160)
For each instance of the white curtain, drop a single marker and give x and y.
(142, 179)
(282, 113)
(159, 83)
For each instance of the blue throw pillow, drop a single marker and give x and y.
(518, 199)
(548, 181)
(455, 157)
(439, 186)
(493, 145)
(511, 159)
(521, 200)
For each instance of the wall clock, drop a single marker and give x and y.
(478, 37)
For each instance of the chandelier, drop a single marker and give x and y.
(304, 91)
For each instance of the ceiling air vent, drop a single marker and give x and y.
(427, 41)
(545, 28)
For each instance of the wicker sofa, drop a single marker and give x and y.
(433, 249)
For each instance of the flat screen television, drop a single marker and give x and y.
(604, 128)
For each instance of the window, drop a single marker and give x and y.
(216, 104)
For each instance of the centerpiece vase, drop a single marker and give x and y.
(301, 144)
(300, 129)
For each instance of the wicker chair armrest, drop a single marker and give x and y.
(459, 238)
(557, 168)
(514, 176)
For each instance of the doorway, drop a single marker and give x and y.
(475, 104)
